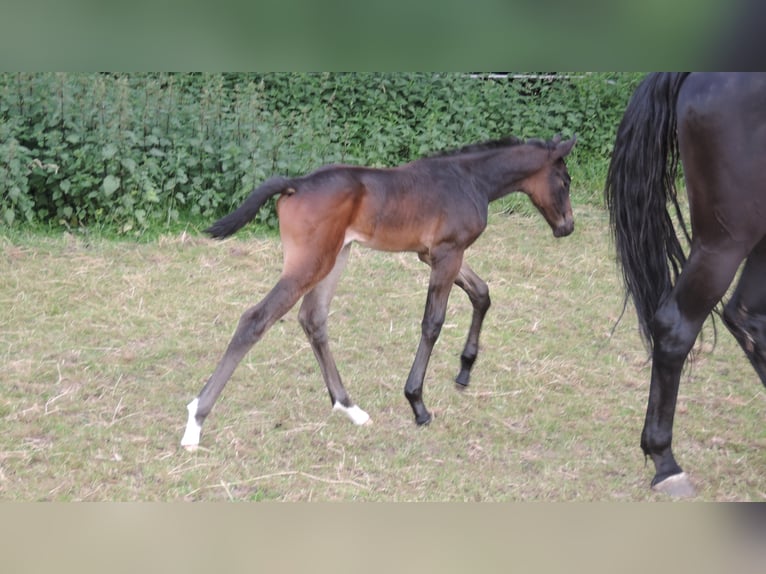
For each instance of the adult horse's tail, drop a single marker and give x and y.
(640, 183)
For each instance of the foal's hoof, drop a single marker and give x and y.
(423, 419)
(677, 486)
(462, 380)
(190, 447)
(357, 415)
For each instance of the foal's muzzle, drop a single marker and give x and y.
(564, 228)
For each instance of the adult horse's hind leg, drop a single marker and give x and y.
(313, 318)
(745, 313)
(676, 324)
(478, 293)
(444, 270)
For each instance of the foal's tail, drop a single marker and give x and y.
(245, 213)
(640, 183)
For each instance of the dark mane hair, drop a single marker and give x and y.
(487, 145)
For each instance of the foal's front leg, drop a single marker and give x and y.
(444, 270)
(478, 293)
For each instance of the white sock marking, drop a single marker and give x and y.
(190, 440)
(357, 415)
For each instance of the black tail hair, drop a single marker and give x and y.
(245, 213)
(640, 182)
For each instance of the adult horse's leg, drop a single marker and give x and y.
(745, 313)
(702, 283)
(445, 267)
(478, 293)
(252, 325)
(313, 318)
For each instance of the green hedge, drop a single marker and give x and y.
(133, 151)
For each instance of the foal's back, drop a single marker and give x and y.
(407, 208)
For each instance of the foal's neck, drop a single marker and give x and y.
(504, 171)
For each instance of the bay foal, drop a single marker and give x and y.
(434, 206)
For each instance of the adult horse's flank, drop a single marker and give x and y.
(435, 206)
(717, 123)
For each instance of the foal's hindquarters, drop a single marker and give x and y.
(312, 265)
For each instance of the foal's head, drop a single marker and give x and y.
(548, 187)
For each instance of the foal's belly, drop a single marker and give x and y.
(389, 240)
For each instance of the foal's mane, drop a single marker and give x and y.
(487, 145)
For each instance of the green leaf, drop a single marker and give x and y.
(129, 164)
(110, 185)
(150, 193)
(109, 151)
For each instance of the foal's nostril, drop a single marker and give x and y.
(564, 229)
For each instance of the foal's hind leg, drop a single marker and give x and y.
(745, 313)
(307, 260)
(677, 323)
(313, 319)
(252, 325)
(478, 293)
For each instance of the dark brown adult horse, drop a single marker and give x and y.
(717, 123)
(435, 206)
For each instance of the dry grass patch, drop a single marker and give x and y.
(103, 343)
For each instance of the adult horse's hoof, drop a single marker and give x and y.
(677, 486)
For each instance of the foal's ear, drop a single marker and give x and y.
(562, 148)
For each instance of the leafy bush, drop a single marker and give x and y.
(133, 151)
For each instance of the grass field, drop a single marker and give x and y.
(103, 343)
